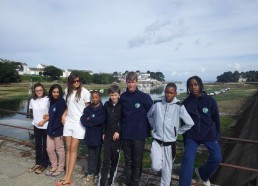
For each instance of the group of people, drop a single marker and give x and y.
(124, 122)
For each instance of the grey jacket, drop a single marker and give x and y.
(165, 119)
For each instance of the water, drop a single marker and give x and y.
(156, 93)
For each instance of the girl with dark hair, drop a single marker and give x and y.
(39, 105)
(77, 98)
(55, 142)
(204, 111)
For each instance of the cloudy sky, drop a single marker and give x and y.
(180, 38)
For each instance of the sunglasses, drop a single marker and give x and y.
(76, 81)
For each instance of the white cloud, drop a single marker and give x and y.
(178, 37)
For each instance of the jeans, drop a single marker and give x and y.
(41, 146)
(133, 152)
(208, 169)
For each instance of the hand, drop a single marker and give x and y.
(46, 117)
(116, 136)
(41, 123)
(63, 119)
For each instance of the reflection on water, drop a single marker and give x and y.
(156, 93)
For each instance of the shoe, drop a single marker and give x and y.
(40, 170)
(34, 168)
(56, 173)
(204, 183)
(50, 172)
(61, 182)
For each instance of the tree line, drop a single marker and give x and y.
(250, 76)
(9, 74)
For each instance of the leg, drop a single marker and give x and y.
(38, 145)
(97, 160)
(138, 149)
(213, 161)
(91, 160)
(51, 152)
(59, 146)
(106, 162)
(166, 165)
(44, 148)
(128, 154)
(115, 155)
(71, 156)
(190, 148)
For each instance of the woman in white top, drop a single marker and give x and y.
(77, 98)
(39, 105)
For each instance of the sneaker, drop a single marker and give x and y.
(204, 183)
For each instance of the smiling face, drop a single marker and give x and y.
(55, 93)
(39, 91)
(170, 94)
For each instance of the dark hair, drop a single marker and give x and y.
(96, 92)
(114, 89)
(132, 76)
(34, 96)
(171, 85)
(199, 81)
(54, 86)
(70, 87)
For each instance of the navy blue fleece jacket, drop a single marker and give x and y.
(205, 114)
(56, 110)
(93, 119)
(135, 124)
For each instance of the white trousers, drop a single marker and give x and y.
(162, 160)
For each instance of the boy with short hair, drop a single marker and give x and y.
(111, 136)
(135, 128)
(164, 118)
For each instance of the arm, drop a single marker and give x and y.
(98, 119)
(150, 115)
(61, 107)
(85, 118)
(188, 122)
(216, 118)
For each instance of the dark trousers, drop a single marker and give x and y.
(133, 152)
(110, 162)
(94, 159)
(41, 146)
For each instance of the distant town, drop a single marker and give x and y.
(24, 69)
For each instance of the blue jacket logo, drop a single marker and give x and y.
(205, 110)
(137, 105)
(54, 109)
(93, 115)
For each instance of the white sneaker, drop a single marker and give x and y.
(204, 183)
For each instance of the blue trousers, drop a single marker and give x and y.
(208, 169)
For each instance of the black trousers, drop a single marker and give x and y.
(94, 159)
(41, 146)
(133, 152)
(110, 161)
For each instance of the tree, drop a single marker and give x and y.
(8, 73)
(53, 72)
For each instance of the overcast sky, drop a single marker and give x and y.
(180, 38)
